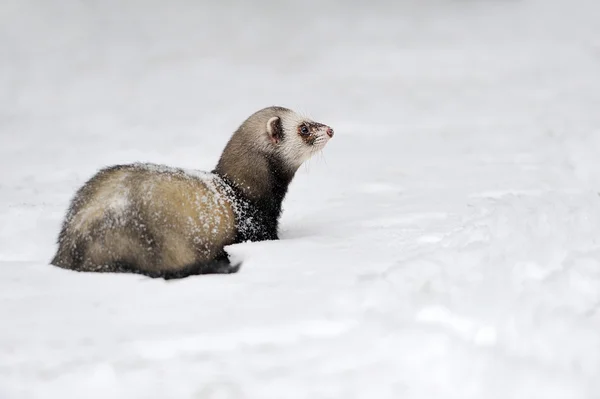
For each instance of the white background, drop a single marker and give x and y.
(446, 244)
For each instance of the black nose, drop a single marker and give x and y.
(330, 132)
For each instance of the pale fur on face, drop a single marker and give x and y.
(271, 131)
(294, 148)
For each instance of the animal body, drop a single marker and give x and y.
(171, 223)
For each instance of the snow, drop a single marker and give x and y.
(446, 243)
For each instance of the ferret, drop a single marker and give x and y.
(168, 222)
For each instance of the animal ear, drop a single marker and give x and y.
(275, 130)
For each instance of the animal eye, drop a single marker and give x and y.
(304, 130)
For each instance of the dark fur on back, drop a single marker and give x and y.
(260, 179)
(258, 217)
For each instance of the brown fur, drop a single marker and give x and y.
(166, 222)
(243, 159)
(158, 219)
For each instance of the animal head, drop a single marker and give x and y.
(286, 134)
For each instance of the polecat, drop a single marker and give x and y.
(168, 222)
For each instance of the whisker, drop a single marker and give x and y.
(306, 165)
(323, 157)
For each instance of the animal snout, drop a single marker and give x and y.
(330, 132)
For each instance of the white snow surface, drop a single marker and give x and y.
(446, 244)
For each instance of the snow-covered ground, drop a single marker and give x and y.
(445, 245)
